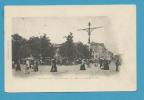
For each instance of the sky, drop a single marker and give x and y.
(56, 28)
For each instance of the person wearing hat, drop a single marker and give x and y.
(54, 67)
(35, 65)
(101, 60)
(82, 67)
(18, 67)
(117, 63)
(27, 67)
(106, 64)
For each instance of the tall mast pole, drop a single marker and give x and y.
(89, 40)
(89, 30)
(89, 24)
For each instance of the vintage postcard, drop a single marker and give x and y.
(70, 48)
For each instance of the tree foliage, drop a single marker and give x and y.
(46, 48)
(20, 47)
(35, 46)
(71, 50)
(41, 47)
(82, 50)
(68, 48)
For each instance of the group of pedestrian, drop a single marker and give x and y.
(16, 65)
(28, 66)
(103, 64)
(31, 66)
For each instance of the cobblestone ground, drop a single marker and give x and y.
(64, 71)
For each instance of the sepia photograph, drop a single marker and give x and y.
(46, 45)
(67, 49)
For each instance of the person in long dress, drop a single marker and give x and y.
(117, 63)
(54, 67)
(101, 62)
(18, 67)
(27, 67)
(106, 65)
(35, 66)
(82, 67)
(13, 64)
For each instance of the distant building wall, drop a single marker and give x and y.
(99, 50)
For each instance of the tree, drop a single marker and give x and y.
(68, 48)
(82, 50)
(46, 48)
(35, 45)
(20, 47)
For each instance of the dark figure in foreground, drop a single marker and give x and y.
(18, 67)
(82, 67)
(117, 63)
(101, 61)
(36, 66)
(106, 65)
(27, 67)
(54, 67)
(13, 64)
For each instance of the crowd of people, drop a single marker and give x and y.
(102, 63)
(34, 65)
(28, 66)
